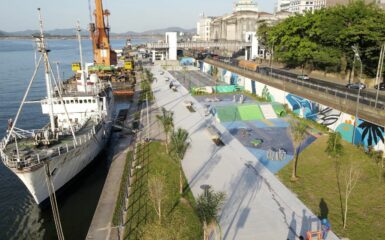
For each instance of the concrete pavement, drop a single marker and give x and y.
(258, 205)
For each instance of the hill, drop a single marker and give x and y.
(71, 32)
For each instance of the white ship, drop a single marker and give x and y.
(80, 113)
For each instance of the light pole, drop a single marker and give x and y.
(271, 59)
(357, 56)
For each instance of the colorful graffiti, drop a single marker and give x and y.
(267, 95)
(365, 133)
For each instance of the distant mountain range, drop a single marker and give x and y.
(72, 32)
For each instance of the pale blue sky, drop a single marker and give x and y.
(126, 15)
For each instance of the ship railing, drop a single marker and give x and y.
(31, 161)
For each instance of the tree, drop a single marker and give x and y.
(262, 33)
(334, 150)
(179, 146)
(352, 176)
(167, 121)
(157, 193)
(334, 147)
(208, 206)
(298, 133)
(323, 39)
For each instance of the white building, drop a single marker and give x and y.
(246, 5)
(283, 5)
(301, 6)
(203, 28)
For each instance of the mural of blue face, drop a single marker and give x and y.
(302, 106)
(234, 79)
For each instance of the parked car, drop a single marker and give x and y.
(356, 86)
(381, 85)
(303, 77)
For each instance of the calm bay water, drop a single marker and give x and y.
(20, 217)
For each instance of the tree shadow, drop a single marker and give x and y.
(337, 165)
(324, 210)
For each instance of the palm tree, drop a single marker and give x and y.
(167, 121)
(297, 132)
(179, 146)
(208, 206)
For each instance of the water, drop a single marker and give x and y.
(20, 217)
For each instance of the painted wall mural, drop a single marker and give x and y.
(365, 133)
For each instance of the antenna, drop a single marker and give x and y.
(80, 44)
(90, 10)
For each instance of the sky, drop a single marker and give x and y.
(126, 15)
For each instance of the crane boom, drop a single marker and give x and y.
(100, 35)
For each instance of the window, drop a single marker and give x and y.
(80, 101)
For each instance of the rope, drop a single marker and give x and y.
(23, 101)
(52, 198)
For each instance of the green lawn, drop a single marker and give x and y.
(179, 219)
(318, 179)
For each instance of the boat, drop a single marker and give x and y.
(80, 112)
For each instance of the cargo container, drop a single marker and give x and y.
(249, 65)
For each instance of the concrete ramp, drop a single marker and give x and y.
(268, 111)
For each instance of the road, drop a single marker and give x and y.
(366, 97)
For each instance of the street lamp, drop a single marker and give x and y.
(357, 56)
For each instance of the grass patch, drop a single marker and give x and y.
(179, 217)
(116, 220)
(318, 180)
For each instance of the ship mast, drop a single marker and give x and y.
(82, 77)
(42, 48)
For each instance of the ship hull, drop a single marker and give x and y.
(64, 167)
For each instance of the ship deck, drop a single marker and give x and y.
(31, 155)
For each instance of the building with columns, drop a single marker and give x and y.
(245, 18)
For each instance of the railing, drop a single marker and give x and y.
(336, 97)
(237, 44)
(331, 91)
(31, 161)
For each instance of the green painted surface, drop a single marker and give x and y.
(228, 114)
(250, 112)
(279, 109)
(239, 113)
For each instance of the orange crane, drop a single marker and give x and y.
(100, 35)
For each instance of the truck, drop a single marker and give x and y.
(249, 65)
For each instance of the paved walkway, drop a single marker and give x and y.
(101, 226)
(258, 205)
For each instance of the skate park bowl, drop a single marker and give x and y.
(239, 113)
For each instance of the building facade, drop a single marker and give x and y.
(301, 6)
(283, 5)
(203, 28)
(234, 27)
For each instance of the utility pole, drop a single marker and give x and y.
(379, 73)
(357, 56)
